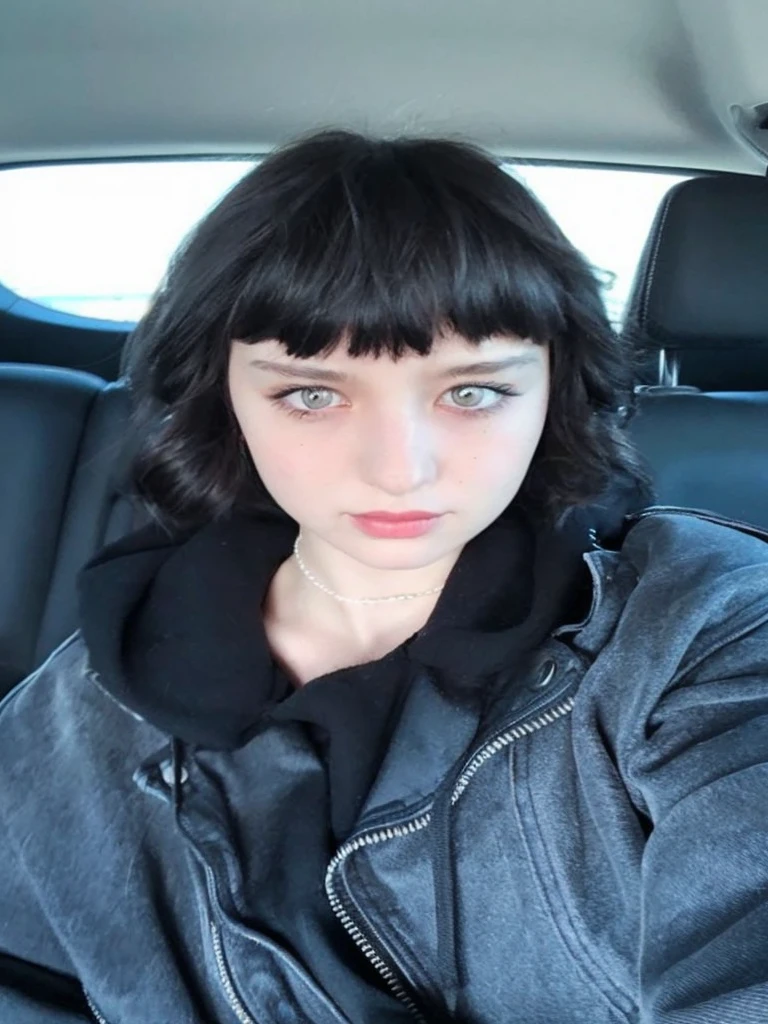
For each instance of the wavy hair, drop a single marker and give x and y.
(382, 243)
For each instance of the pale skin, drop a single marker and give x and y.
(378, 434)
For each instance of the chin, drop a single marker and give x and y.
(410, 553)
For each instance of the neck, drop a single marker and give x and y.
(293, 600)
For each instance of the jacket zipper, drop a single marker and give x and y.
(358, 937)
(97, 1016)
(235, 1003)
(489, 749)
(237, 1007)
(226, 982)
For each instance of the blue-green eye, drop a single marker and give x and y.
(482, 397)
(315, 399)
(312, 399)
(473, 398)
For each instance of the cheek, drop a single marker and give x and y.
(506, 446)
(290, 468)
(285, 460)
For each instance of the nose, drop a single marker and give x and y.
(397, 452)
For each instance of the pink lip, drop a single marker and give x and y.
(399, 525)
(396, 517)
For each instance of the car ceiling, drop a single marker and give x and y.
(630, 81)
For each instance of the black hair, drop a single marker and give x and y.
(381, 243)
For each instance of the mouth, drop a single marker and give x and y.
(396, 525)
(396, 517)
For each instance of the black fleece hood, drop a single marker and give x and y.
(174, 629)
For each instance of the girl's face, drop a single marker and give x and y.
(337, 436)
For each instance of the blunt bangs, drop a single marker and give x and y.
(389, 246)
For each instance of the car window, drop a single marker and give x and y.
(606, 213)
(94, 239)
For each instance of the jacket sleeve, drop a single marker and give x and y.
(35, 985)
(700, 773)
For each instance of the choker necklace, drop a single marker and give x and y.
(357, 600)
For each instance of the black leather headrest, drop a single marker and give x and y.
(702, 285)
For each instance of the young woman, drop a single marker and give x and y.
(403, 705)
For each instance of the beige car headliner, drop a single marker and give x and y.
(628, 81)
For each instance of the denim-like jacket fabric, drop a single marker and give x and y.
(609, 829)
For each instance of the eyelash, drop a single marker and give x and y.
(503, 390)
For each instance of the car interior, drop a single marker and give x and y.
(654, 85)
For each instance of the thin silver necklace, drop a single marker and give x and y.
(356, 600)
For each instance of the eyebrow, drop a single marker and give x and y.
(336, 377)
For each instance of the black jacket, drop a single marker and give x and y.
(171, 624)
(574, 830)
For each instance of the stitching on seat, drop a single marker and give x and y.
(655, 255)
